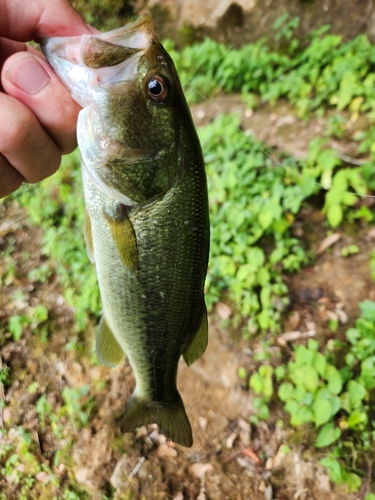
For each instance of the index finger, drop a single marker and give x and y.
(24, 21)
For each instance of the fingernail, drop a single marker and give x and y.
(28, 75)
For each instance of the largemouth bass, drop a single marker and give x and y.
(147, 225)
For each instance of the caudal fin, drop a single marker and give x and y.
(171, 419)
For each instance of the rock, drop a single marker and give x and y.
(210, 13)
(121, 477)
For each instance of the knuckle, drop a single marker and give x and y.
(18, 131)
(10, 179)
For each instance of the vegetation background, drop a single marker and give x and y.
(287, 126)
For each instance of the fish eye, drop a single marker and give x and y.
(157, 88)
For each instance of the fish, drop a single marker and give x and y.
(146, 212)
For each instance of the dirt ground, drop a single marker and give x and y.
(230, 458)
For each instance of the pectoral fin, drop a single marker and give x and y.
(199, 343)
(124, 237)
(88, 237)
(108, 350)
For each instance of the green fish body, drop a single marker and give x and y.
(147, 225)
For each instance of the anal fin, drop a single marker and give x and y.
(108, 350)
(199, 343)
(123, 236)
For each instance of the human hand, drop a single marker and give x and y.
(37, 114)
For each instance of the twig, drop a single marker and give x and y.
(352, 161)
(9, 223)
(2, 397)
(137, 467)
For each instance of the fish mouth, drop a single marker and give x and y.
(94, 68)
(82, 62)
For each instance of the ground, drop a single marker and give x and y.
(230, 459)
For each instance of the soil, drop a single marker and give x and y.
(230, 458)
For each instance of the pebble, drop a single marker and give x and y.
(231, 439)
(42, 477)
(202, 422)
(7, 414)
(244, 432)
(268, 493)
(199, 469)
(223, 310)
(165, 451)
(179, 496)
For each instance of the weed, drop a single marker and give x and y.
(334, 396)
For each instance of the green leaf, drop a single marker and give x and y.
(263, 276)
(356, 393)
(334, 380)
(327, 435)
(285, 391)
(266, 371)
(334, 467)
(310, 378)
(15, 325)
(335, 404)
(303, 355)
(367, 308)
(256, 383)
(313, 345)
(334, 215)
(320, 363)
(357, 418)
(353, 481)
(303, 415)
(322, 409)
(265, 218)
(263, 411)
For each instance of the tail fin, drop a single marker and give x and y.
(171, 419)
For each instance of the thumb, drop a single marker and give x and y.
(28, 77)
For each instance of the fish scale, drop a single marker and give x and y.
(147, 225)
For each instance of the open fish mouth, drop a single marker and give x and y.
(94, 67)
(91, 61)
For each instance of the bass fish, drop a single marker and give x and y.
(146, 205)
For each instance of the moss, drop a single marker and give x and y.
(105, 14)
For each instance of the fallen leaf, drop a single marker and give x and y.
(328, 242)
(249, 452)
